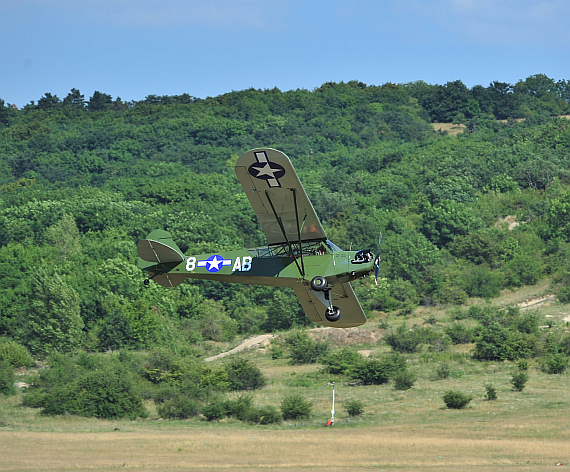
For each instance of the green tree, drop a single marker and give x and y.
(64, 237)
(445, 221)
(55, 324)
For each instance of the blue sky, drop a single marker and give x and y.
(134, 48)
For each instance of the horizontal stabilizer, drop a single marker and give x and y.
(159, 248)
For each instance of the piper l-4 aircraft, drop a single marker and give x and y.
(298, 254)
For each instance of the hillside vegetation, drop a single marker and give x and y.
(82, 180)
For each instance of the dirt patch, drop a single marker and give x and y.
(536, 302)
(256, 341)
(509, 221)
(347, 336)
(450, 128)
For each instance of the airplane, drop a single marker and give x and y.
(298, 254)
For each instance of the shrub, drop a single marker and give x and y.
(519, 381)
(106, 391)
(378, 371)
(15, 354)
(105, 395)
(341, 361)
(215, 410)
(491, 392)
(456, 400)
(265, 415)
(496, 342)
(214, 377)
(296, 407)
(459, 333)
(240, 407)
(563, 295)
(354, 407)
(404, 340)
(443, 371)
(404, 380)
(303, 349)
(243, 375)
(6, 379)
(479, 281)
(178, 408)
(555, 364)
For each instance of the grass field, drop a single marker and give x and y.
(526, 430)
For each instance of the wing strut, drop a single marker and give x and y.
(301, 270)
(299, 230)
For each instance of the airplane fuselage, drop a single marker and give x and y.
(242, 266)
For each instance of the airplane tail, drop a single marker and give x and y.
(158, 254)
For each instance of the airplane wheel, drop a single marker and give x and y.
(319, 283)
(332, 315)
(146, 281)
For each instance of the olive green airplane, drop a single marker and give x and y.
(298, 254)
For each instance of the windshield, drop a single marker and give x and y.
(332, 246)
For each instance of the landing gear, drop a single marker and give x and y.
(146, 281)
(332, 314)
(319, 283)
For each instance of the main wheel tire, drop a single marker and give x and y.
(146, 281)
(333, 315)
(319, 283)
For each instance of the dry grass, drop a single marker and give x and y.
(526, 430)
(452, 130)
(324, 449)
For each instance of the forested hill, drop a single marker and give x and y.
(81, 181)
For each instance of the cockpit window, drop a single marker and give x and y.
(332, 246)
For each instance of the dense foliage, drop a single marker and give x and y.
(82, 180)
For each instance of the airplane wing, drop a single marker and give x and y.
(342, 296)
(277, 197)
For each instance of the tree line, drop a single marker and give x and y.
(81, 181)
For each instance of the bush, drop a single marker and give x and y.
(303, 349)
(496, 342)
(240, 407)
(15, 354)
(104, 391)
(265, 415)
(459, 333)
(243, 375)
(404, 340)
(519, 381)
(6, 379)
(296, 407)
(456, 400)
(555, 364)
(178, 408)
(404, 380)
(341, 361)
(443, 371)
(491, 392)
(378, 371)
(215, 410)
(105, 395)
(479, 281)
(354, 407)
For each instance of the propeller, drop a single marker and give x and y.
(377, 261)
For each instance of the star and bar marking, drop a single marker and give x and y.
(214, 263)
(266, 170)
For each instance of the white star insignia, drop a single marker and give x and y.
(215, 262)
(266, 170)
